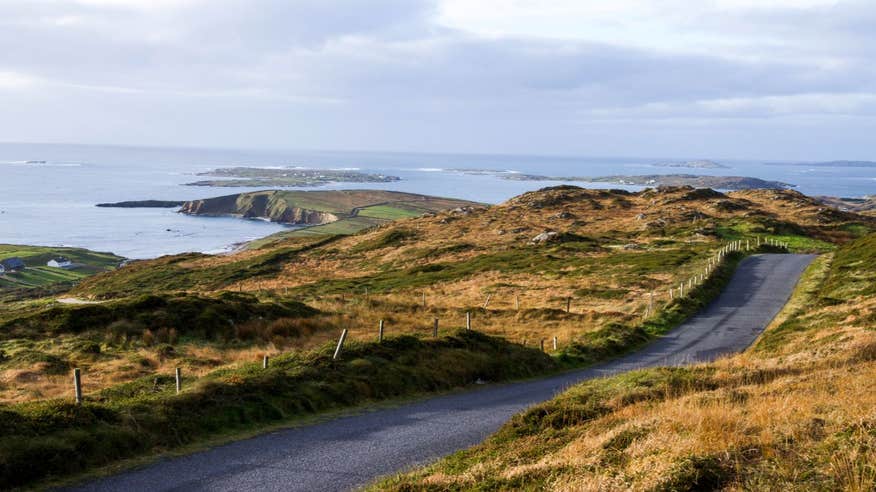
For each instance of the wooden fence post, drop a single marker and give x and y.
(77, 386)
(380, 332)
(435, 328)
(265, 362)
(424, 299)
(468, 320)
(340, 344)
(178, 380)
(555, 344)
(670, 294)
(542, 344)
(517, 301)
(568, 304)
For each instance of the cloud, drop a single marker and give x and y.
(16, 81)
(409, 73)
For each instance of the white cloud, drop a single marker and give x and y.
(399, 67)
(16, 81)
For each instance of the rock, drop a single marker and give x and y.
(631, 246)
(462, 210)
(728, 206)
(545, 237)
(562, 215)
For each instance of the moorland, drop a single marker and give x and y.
(593, 268)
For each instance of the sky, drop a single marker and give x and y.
(779, 79)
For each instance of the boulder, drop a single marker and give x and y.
(545, 237)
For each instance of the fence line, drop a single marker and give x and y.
(712, 264)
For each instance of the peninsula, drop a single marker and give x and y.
(323, 212)
(142, 204)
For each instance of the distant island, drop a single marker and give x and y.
(698, 164)
(143, 204)
(286, 177)
(695, 180)
(826, 164)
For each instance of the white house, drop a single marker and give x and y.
(60, 262)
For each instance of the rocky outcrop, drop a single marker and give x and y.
(545, 237)
(258, 205)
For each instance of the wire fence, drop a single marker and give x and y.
(649, 307)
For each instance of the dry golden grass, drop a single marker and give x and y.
(606, 281)
(811, 429)
(795, 412)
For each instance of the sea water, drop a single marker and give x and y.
(48, 193)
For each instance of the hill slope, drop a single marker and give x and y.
(592, 269)
(795, 412)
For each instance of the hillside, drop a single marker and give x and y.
(866, 205)
(516, 266)
(648, 235)
(39, 275)
(795, 412)
(579, 265)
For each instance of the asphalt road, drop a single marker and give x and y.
(352, 451)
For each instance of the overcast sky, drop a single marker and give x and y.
(772, 79)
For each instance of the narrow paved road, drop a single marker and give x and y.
(351, 451)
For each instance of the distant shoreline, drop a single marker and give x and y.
(142, 204)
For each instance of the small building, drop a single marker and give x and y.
(60, 262)
(14, 264)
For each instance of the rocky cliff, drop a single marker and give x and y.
(267, 205)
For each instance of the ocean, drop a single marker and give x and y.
(49, 192)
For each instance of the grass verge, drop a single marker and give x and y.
(47, 439)
(616, 339)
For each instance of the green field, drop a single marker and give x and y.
(390, 212)
(38, 274)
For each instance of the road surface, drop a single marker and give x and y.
(352, 451)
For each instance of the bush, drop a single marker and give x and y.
(167, 317)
